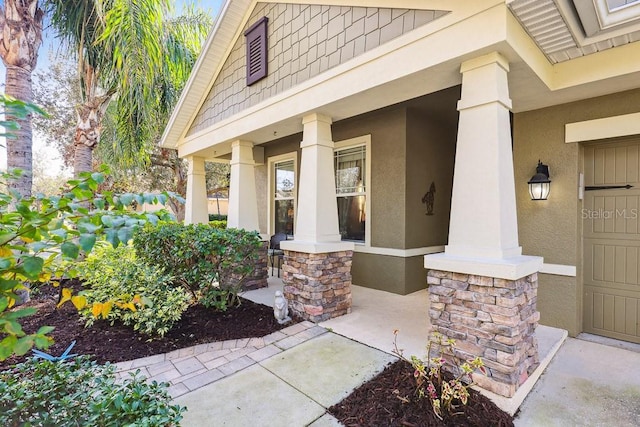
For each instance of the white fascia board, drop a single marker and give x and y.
(201, 79)
(608, 127)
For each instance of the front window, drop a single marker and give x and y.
(284, 186)
(351, 192)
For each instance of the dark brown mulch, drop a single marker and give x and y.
(383, 402)
(118, 342)
(379, 402)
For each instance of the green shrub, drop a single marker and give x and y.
(216, 217)
(210, 262)
(79, 392)
(220, 225)
(117, 274)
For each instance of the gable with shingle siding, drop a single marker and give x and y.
(303, 41)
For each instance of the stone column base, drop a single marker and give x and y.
(488, 317)
(318, 286)
(258, 277)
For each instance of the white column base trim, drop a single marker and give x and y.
(507, 268)
(401, 253)
(315, 247)
(559, 270)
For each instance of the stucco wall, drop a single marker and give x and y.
(303, 41)
(552, 228)
(430, 158)
(388, 130)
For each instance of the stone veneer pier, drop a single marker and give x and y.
(258, 277)
(318, 286)
(491, 318)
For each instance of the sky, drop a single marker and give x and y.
(49, 45)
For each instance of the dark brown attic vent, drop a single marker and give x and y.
(256, 38)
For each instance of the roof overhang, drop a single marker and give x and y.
(430, 56)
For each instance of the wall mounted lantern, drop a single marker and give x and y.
(540, 184)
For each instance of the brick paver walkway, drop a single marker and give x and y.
(193, 367)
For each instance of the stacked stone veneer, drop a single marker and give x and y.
(318, 286)
(258, 277)
(491, 318)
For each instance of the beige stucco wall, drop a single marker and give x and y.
(388, 129)
(552, 228)
(303, 41)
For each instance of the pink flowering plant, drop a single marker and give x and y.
(444, 394)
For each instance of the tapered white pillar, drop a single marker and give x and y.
(317, 217)
(196, 210)
(483, 230)
(243, 203)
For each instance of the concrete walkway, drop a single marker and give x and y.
(586, 384)
(290, 378)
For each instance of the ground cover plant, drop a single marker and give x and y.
(145, 298)
(80, 392)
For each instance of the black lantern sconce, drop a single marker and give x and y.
(540, 184)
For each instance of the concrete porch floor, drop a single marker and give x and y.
(376, 314)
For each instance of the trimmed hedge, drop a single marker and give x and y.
(211, 263)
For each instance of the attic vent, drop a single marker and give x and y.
(256, 38)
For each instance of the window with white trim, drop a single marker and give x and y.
(283, 185)
(351, 174)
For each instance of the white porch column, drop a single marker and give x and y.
(196, 209)
(317, 217)
(243, 204)
(483, 232)
(317, 264)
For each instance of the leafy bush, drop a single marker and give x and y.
(210, 263)
(220, 225)
(36, 232)
(216, 217)
(80, 392)
(144, 296)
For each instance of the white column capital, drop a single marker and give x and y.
(481, 61)
(484, 81)
(316, 117)
(195, 165)
(242, 153)
(316, 131)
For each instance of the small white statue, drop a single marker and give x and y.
(281, 308)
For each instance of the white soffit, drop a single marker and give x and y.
(558, 27)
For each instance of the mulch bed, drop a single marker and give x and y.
(117, 343)
(389, 400)
(379, 402)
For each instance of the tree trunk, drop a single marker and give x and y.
(20, 39)
(87, 135)
(19, 148)
(181, 187)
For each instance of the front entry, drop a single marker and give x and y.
(611, 239)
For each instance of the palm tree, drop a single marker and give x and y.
(119, 47)
(20, 39)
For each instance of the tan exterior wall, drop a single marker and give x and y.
(303, 41)
(388, 130)
(430, 158)
(553, 228)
